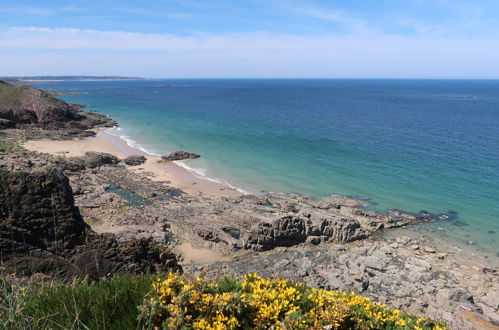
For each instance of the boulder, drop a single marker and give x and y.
(95, 159)
(179, 155)
(135, 160)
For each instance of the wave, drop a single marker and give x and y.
(130, 142)
(201, 173)
(198, 172)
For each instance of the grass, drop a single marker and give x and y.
(107, 304)
(10, 145)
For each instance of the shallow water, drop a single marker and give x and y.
(407, 144)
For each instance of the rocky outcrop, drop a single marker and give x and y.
(95, 159)
(40, 115)
(469, 317)
(388, 272)
(135, 160)
(292, 230)
(42, 231)
(28, 105)
(37, 214)
(179, 155)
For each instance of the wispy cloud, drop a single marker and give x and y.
(250, 54)
(164, 14)
(30, 11)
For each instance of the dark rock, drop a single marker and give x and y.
(5, 123)
(95, 159)
(41, 231)
(135, 160)
(37, 213)
(179, 155)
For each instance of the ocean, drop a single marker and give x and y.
(414, 145)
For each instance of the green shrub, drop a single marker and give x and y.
(256, 303)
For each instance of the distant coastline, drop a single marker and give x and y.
(19, 80)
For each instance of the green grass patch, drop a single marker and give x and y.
(107, 304)
(10, 145)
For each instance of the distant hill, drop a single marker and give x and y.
(30, 79)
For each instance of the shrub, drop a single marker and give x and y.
(258, 303)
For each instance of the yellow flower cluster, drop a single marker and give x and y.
(258, 303)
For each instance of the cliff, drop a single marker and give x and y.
(41, 115)
(33, 106)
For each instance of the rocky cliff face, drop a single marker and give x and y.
(33, 106)
(44, 116)
(37, 214)
(41, 231)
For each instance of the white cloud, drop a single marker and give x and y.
(243, 54)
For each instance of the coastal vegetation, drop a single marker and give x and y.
(174, 301)
(106, 304)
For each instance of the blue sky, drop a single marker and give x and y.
(252, 38)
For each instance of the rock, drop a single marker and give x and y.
(179, 155)
(37, 115)
(5, 123)
(286, 231)
(449, 298)
(441, 256)
(342, 230)
(37, 213)
(338, 201)
(429, 249)
(135, 160)
(394, 245)
(292, 230)
(414, 247)
(315, 240)
(468, 317)
(95, 159)
(404, 240)
(492, 299)
(26, 105)
(42, 231)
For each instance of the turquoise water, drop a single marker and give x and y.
(408, 144)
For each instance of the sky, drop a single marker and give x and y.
(251, 38)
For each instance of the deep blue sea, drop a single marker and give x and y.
(408, 144)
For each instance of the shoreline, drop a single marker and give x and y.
(175, 174)
(183, 178)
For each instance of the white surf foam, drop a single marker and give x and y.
(201, 173)
(198, 172)
(130, 142)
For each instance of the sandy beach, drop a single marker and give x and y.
(176, 175)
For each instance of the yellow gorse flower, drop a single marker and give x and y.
(260, 303)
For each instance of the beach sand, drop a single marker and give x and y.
(176, 175)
